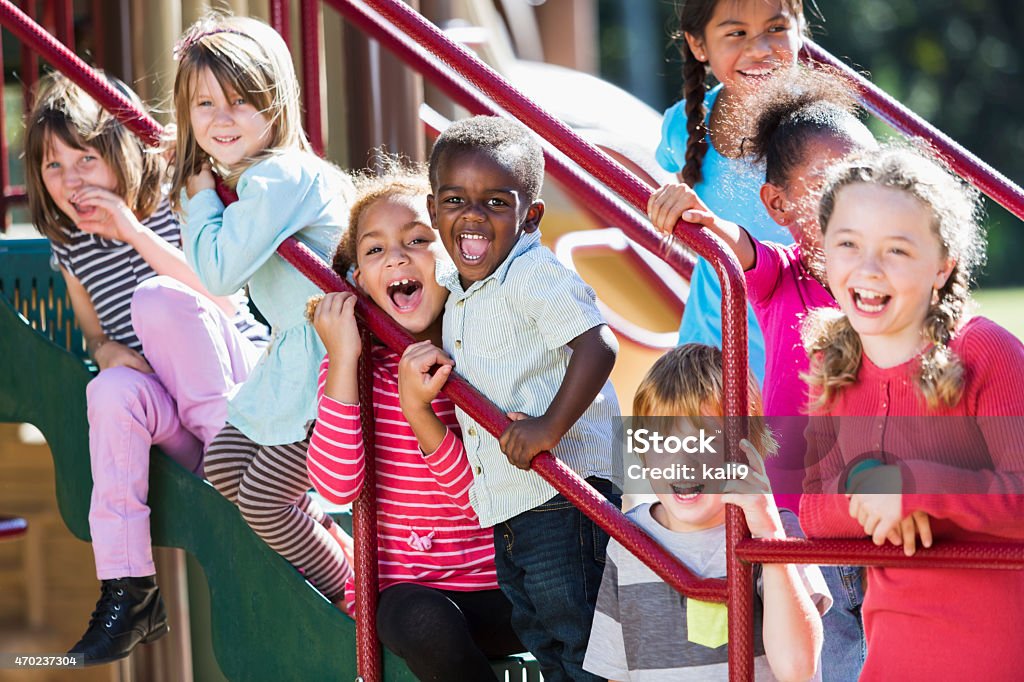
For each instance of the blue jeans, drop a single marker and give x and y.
(550, 560)
(844, 649)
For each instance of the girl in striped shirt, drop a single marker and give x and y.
(440, 607)
(95, 192)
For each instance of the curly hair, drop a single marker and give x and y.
(830, 340)
(792, 109)
(398, 176)
(511, 144)
(63, 111)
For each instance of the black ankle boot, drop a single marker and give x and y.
(129, 611)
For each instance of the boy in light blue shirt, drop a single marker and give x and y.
(526, 331)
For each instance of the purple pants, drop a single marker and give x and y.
(198, 356)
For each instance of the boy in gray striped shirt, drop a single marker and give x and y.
(643, 630)
(526, 331)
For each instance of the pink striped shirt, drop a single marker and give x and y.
(427, 531)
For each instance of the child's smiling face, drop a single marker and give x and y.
(396, 257)
(746, 41)
(884, 259)
(480, 210)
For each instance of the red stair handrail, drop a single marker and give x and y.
(987, 179)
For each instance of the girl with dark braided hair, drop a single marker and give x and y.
(741, 43)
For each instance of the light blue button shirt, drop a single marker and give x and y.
(731, 188)
(508, 334)
(293, 193)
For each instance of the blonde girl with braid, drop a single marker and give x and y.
(917, 434)
(741, 43)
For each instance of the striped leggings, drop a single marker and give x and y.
(270, 486)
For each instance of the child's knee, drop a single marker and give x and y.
(113, 391)
(160, 302)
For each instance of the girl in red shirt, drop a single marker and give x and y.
(916, 417)
(440, 607)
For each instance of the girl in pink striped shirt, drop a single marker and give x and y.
(440, 607)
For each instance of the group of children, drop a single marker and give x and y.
(478, 556)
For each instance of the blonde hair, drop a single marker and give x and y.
(63, 111)
(398, 176)
(831, 342)
(688, 381)
(251, 58)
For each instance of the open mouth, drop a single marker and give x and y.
(405, 294)
(473, 247)
(687, 492)
(757, 71)
(870, 302)
(82, 210)
(227, 140)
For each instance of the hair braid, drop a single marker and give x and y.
(941, 377)
(694, 75)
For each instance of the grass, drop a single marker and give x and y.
(1003, 306)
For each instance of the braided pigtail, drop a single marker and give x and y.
(834, 348)
(694, 75)
(941, 377)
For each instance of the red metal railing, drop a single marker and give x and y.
(988, 180)
(740, 550)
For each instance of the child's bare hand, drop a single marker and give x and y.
(914, 525)
(878, 513)
(202, 180)
(114, 354)
(525, 438)
(110, 218)
(753, 494)
(335, 323)
(416, 386)
(673, 201)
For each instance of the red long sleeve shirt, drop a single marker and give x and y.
(935, 624)
(427, 531)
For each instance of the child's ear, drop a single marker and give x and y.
(431, 210)
(775, 202)
(357, 278)
(696, 46)
(942, 276)
(533, 215)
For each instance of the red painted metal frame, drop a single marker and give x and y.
(1003, 555)
(987, 179)
(606, 205)
(309, 12)
(364, 521)
(281, 19)
(35, 38)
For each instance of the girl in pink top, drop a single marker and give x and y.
(901, 240)
(440, 607)
(804, 122)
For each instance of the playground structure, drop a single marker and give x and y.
(36, 374)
